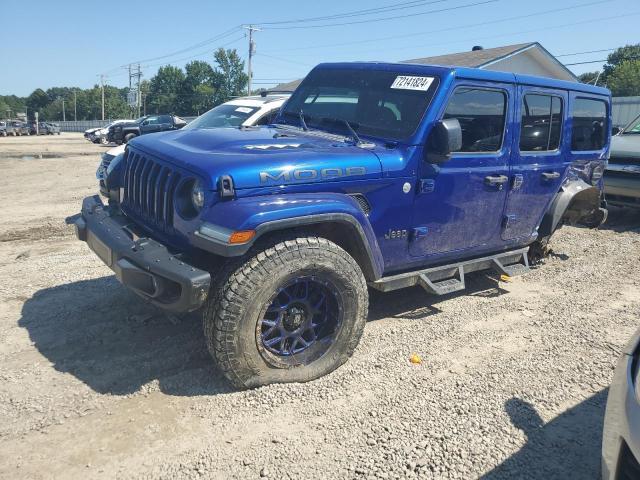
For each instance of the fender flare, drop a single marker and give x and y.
(272, 214)
(577, 201)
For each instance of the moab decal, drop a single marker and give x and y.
(305, 174)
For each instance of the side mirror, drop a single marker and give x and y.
(444, 139)
(615, 130)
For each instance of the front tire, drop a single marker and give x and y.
(292, 312)
(128, 137)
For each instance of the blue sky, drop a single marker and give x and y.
(69, 42)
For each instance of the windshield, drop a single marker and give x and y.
(377, 103)
(225, 115)
(633, 127)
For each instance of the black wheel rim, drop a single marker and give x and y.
(300, 322)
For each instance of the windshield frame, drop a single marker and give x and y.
(634, 123)
(333, 123)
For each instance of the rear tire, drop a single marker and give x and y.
(307, 290)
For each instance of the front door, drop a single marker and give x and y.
(459, 204)
(538, 160)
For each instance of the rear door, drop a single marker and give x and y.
(460, 203)
(538, 162)
(149, 125)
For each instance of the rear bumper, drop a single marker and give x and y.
(142, 264)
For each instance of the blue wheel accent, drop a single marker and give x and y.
(301, 321)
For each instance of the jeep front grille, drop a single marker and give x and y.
(149, 190)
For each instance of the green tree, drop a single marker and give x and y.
(229, 79)
(619, 56)
(624, 81)
(165, 90)
(197, 88)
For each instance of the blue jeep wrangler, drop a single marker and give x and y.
(373, 175)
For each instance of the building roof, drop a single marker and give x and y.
(473, 58)
(486, 58)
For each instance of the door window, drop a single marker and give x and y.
(540, 123)
(589, 124)
(481, 113)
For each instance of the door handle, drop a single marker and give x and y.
(496, 181)
(550, 175)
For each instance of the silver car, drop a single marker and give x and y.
(622, 176)
(621, 436)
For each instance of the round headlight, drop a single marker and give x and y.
(197, 195)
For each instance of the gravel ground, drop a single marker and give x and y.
(96, 384)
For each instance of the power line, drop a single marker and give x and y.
(416, 14)
(449, 29)
(204, 52)
(358, 13)
(583, 53)
(295, 62)
(635, 57)
(195, 46)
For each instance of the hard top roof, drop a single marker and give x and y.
(472, 74)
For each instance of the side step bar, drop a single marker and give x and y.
(450, 278)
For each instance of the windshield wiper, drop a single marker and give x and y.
(354, 135)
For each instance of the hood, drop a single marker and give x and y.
(261, 157)
(625, 146)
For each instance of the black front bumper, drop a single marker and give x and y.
(140, 263)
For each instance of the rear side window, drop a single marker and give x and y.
(481, 114)
(589, 124)
(541, 123)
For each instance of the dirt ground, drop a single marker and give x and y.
(96, 384)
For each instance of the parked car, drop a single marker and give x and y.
(9, 129)
(371, 175)
(621, 436)
(123, 132)
(32, 128)
(25, 128)
(17, 128)
(3, 129)
(46, 128)
(245, 111)
(622, 175)
(99, 134)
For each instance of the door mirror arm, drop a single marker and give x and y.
(444, 139)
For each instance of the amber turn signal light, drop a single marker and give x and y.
(242, 236)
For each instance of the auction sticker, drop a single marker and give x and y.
(412, 83)
(244, 109)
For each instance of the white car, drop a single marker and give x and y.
(99, 134)
(239, 112)
(244, 111)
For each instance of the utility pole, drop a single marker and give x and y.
(102, 87)
(63, 114)
(252, 52)
(75, 106)
(137, 75)
(138, 93)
